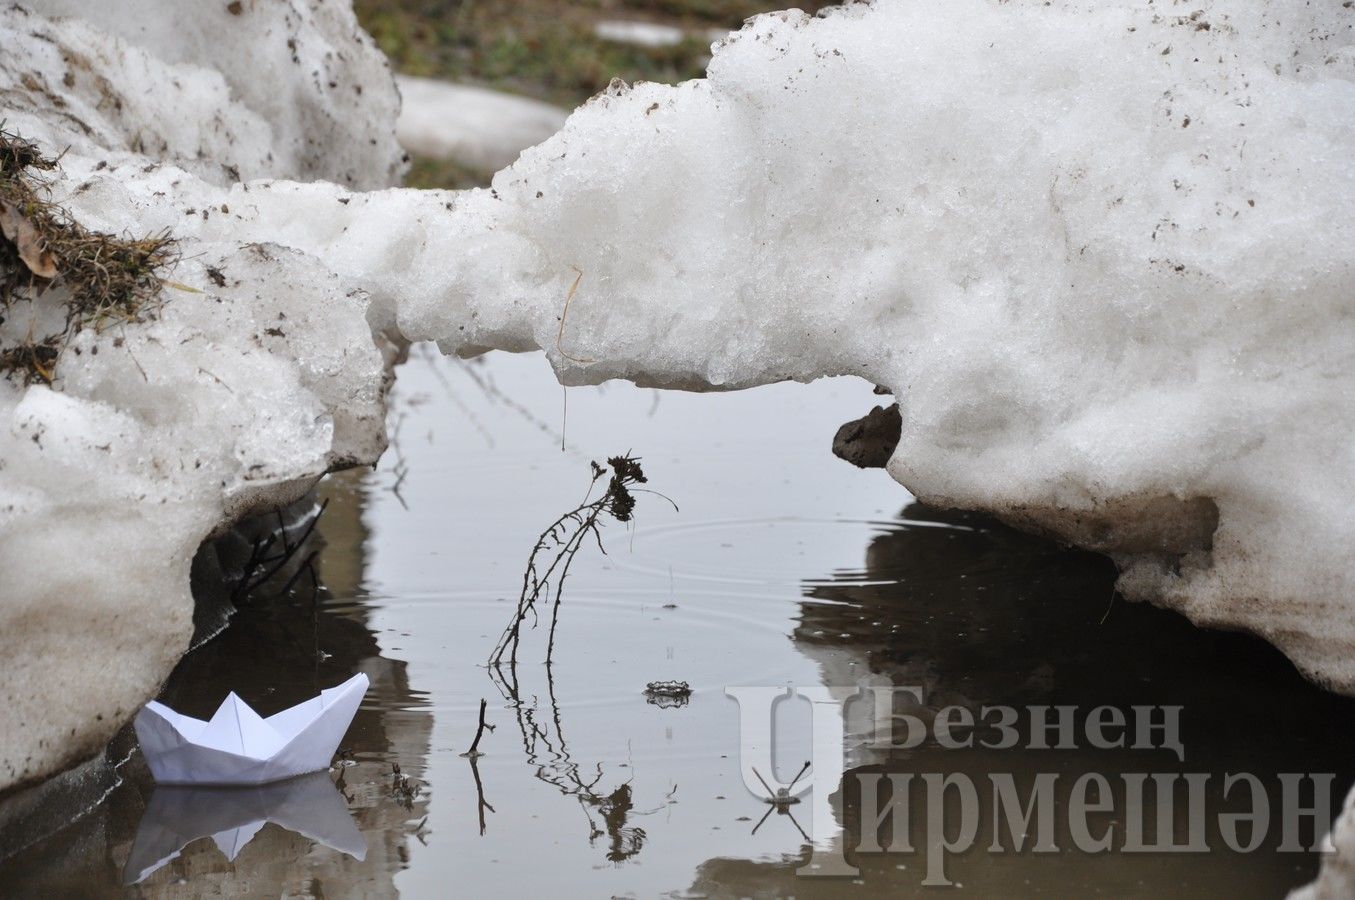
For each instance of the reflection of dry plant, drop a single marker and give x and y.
(624, 841)
(560, 543)
(547, 751)
(542, 731)
(103, 279)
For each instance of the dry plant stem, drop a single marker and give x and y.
(531, 589)
(589, 526)
(544, 741)
(565, 537)
(564, 313)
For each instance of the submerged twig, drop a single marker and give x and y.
(474, 750)
(260, 567)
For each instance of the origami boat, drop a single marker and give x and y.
(238, 746)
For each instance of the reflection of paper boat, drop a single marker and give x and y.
(239, 747)
(178, 815)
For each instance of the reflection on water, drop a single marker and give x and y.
(784, 567)
(976, 614)
(232, 816)
(609, 810)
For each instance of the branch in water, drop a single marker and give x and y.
(559, 544)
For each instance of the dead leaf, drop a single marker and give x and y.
(28, 241)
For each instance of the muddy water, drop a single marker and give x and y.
(782, 567)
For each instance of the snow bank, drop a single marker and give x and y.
(1103, 256)
(304, 71)
(257, 375)
(649, 34)
(478, 128)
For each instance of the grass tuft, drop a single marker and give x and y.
(100, 278)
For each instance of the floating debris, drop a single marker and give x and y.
(404, 789)
(668, 694)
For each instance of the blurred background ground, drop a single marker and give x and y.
(547, 50)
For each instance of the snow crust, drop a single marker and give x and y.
(304, 73)
(258, 373)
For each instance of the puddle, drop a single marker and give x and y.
(783, 567)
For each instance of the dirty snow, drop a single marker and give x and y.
(258, 374)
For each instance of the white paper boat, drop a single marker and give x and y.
(238, 746)
(178, 815)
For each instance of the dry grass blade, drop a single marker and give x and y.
(35, 358)
(564, 314)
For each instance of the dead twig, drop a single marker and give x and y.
(474, 754)
(474, 750)
(260, 568)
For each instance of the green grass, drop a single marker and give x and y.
(425, 172)
(540, 48)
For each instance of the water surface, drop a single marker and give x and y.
(782, 567)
